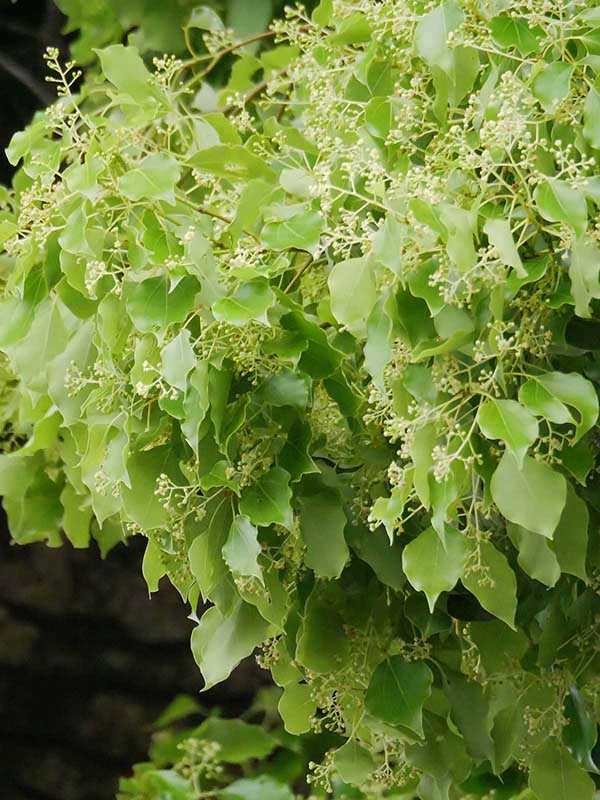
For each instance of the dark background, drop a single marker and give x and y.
(87, 661)
(27, 27)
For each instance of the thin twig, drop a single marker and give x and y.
(298, 275)
(227, 50)
(221, 54)
(254, 93)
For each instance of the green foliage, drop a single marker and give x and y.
(160, 27)
(318, 315)
(237, 759)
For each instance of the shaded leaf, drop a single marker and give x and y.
(153, 178)
(297, 708)
(509, 421)
(558, 202)
(493, 583)
(221, 641)
(533, 495)
(322, 524)
(511, 32)
(267, 501)
(353, 294)
(397, 691)
(241, 550)
(555, 775)
(432, 567)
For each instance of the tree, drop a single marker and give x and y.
(315, 312)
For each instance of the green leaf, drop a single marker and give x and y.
(558, 202)
(238, 741)
(322, 523)
(553, 84)
(181, 707)
(17, 313)
(221, 641)
(493, 583)
(471, 713)
(205, 554)
(581, 733)
(500, 237)
(83, 178)
(241, 550)
(510, 422)
(295, 457)
(46, 339)
(299, 232)
(511, 32)
(248, 19)
(353, 763)
(322, 644)
(205, 18)
(178, 360)
(387, 243)
(388, 510)
(353, 294)
(125, 69)
(250, 301)
(532, 495)
(591, 118)
(267, 501)
(441, 758)
(463, 72)
(536, 557)
(153, 178)
(153, 566)
(139, 501)
(77, 516)
(555, 775)
(264, 787)
(578, 459)
(431, 34)
(378, 347)
(543, 403)
(550, 393)
(421, 454)
(297, 708)
(432, 567)
(196, 403)
(459, 225)
(287, 388)
(163, 783)
(233, 162)
(323, 13)
(385, 559)
(151, 305)
(584, 272)
(318, 358)
(444, 495)
(353, 29)
(31, 500)
(571, 536)
(397, 691)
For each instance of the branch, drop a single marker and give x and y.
(18, 28)
(227, 50)
(22, 75)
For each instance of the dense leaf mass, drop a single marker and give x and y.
(325, 332)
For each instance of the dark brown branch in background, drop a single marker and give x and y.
(10, 26)
(19, 73)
